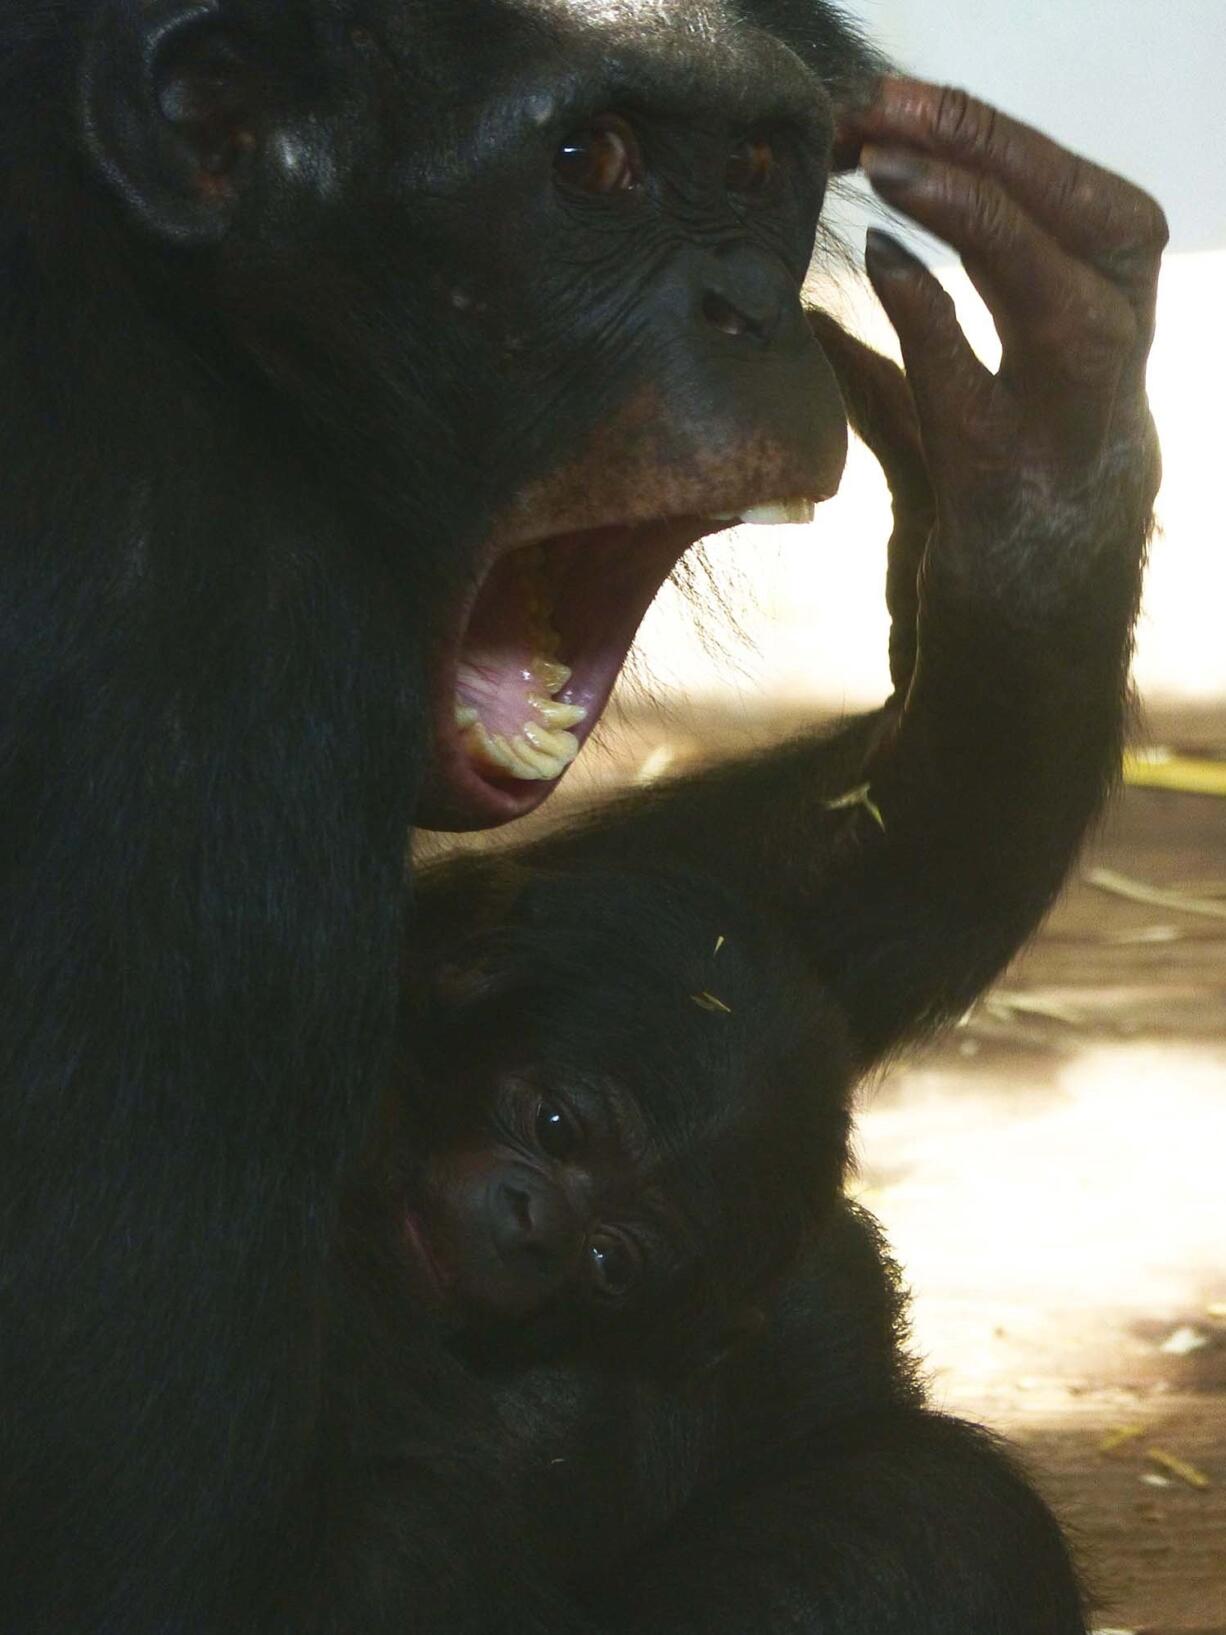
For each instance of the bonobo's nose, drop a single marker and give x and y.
(530, 1219)
(746, 293)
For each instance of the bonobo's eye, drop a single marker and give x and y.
(557, 1134)
(614, 1263)
(602, 157)
(750, 167)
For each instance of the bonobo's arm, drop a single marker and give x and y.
(881, 410)
(982, 780)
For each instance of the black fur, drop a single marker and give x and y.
(252, 459)
(752, 1450)
(253, 465)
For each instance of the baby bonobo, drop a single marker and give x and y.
(638, 1110)
(628, 1216)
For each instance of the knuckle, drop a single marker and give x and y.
(1133, 225)
(1159, 227)
(1140, 220)
(961, 122)
(1071, 187)
(1087, 360)
(1090, 346)
(993, 216)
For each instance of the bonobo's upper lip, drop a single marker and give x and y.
(603, 574)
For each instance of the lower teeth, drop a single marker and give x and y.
(541, 750)
(518, 756)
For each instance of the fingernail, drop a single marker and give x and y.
(891, 167)
(887, 254)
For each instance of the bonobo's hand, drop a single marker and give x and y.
(882, 414)
(1046, 469)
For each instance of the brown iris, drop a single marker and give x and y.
(602, 157)
(750, 167)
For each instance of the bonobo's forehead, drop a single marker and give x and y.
(626, 18)
(683, 55)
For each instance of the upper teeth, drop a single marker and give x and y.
(777, 511)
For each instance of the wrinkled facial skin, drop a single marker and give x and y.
(543, 260)
(537, 1204)
(599, 1157)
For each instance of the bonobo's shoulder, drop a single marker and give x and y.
(835, 1343)
(846, 1269)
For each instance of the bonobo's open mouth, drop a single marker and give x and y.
(540, 645)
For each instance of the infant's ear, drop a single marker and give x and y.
(745, 1327)
(697, 1355)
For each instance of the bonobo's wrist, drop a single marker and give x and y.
(1002, 624)
(1062, 573)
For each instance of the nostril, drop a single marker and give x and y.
(532, 1223)
(729, 320)
(519, 1211)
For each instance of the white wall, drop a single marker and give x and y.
(1139, 85)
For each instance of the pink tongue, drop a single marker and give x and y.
(495, 674)
(496, 683)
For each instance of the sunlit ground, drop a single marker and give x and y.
(1026, 1201)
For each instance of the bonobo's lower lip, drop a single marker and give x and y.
(538, 646)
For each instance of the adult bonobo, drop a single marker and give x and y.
(317, 319)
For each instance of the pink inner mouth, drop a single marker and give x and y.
(574, 600)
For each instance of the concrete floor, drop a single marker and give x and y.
(1053, 1181)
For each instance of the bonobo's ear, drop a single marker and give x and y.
(167, 109)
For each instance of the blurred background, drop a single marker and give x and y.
(1053, 1176)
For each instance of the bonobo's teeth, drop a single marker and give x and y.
(498, 754)
(542, 749)
(539, 762)
(534, 755)
(777, 512)
(551, 675)
(554, 714)
(560, 746)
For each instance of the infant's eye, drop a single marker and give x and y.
(615, 1264)
(556, 1132)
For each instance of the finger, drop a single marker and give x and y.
(1061, 323)
(879, 406)
(1087, 209)
(951, 388)
(882, 413)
